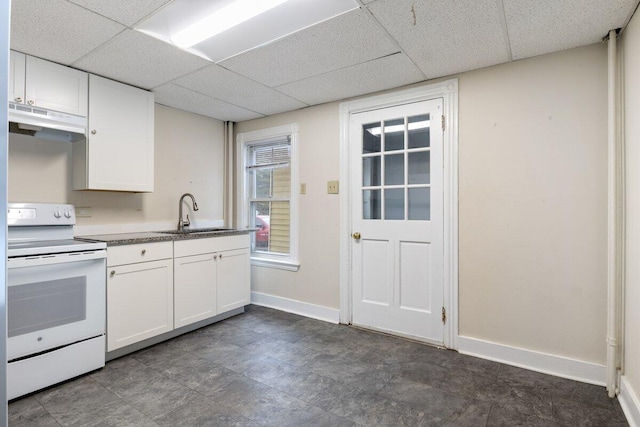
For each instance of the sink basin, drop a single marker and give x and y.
(196, 230)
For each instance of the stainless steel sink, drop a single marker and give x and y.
(197, 230)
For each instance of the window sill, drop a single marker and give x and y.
(272, 263)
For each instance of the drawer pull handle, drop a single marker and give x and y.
(113, 273)
(144, 251)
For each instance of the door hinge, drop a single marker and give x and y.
(443, 121)
(444, 314)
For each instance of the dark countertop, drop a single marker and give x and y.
(159, 236)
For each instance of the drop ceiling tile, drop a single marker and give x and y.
(446, 37)
(346, 40)
(126, 12)
(381, 74)
(57, 30)
(140, 60)
(545, 26)
(187, 100)
(226, 85)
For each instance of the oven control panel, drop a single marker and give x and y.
(40, 214)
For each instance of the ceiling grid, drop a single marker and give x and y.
(380, 45)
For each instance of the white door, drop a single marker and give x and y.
(397, 220)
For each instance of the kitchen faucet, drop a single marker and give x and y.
(182, 223)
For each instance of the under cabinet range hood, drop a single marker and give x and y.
(46, 124)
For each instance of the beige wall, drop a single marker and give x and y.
(631, 53)
(532, 158)
(532, 194)
(188, 158)
(317, 281)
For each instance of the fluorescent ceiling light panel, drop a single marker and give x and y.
(228, 34)
(225, 18)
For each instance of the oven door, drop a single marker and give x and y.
(54, 300)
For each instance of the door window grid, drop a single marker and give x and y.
(408, 195)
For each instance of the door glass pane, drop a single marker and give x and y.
(419, 167)
(371, 139)
(371, 204)
(418, 132)
(394, 203)
(394, 169)
(394, 134)
(420, 203)
(371, 171)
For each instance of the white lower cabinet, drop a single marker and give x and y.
(139, 293)
(233, 279)
(158, 287)
(194, 288)
(211, 277)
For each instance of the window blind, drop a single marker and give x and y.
(275, 154)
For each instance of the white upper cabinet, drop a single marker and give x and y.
(44, 84)
(118, 152)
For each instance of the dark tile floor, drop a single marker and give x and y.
(267, 367)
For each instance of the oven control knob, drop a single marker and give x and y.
(57, 214)
(67, 214)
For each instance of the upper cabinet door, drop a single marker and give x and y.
(120, 138)
(56, 87)
(17, 68)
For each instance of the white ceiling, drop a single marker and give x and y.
(382, 45)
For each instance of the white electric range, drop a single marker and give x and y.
(56, 300)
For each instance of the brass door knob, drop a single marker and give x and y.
(356, 235)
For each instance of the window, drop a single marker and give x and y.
(268, 204)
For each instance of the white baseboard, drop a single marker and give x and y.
(297, 307)
(630, 402)
(551, 364)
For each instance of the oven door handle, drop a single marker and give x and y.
(35, 261)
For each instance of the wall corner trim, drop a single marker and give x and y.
(560, 366)
(296, 307)
(630, 402)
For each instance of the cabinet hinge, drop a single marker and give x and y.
(444, 314)
(443, 121)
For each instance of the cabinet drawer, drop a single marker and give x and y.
(129, 254)
(208, 245)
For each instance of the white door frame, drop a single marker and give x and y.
(448, 91)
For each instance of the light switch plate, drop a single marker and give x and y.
(333, 187)
(303, 188)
